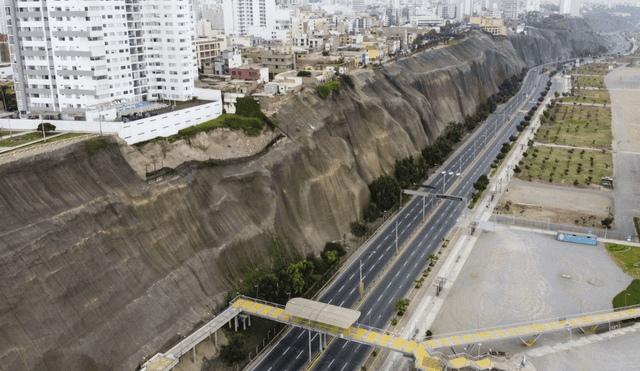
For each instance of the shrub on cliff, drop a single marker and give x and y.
(347, 80)
(325, 89)
(304, 74)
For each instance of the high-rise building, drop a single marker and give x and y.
(359, 5)
(73, 56)
(533, 6)
(510, 9)
(241, 15)
(565, 7)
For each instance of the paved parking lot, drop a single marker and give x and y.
(516, 276)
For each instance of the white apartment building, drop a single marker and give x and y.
(72, 56)
(510, 9)
(239, 15)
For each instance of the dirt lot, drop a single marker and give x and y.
(515, 276)
(556, 204)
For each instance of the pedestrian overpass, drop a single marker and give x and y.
(337, 322)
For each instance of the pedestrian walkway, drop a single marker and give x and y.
(591, 339)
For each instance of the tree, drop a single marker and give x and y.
(401, 306)
(232, 353)
(482, 183)
(47, 127)
(606, 222)
(358, 229)
(297, 273)
(385, 192)
(332, 252)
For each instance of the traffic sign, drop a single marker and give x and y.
(448, 197)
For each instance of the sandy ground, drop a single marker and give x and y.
(222, 143)
(515, 276)
(557, 204)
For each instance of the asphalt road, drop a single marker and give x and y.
(292, 352)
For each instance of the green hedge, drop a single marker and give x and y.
(326, 89)
(251, 125)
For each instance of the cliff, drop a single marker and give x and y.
(100, 269)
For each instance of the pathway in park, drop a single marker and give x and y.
(626, 146)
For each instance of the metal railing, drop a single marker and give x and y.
(548, 226)
(542, 322)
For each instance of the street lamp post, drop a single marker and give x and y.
(479, 345)
(361, 284)
(396, 236)
(444, 180)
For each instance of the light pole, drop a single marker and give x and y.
(423, 197)
(361, 284)
(396, 237)
(479, 345)
(444, 180)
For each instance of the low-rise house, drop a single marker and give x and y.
(230, 58)
(251, 72)
(284, 83)
(207, 49)
(492, 25)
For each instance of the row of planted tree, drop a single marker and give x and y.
(410, 173)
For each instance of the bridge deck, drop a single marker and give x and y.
(426, 354)
(513, 331)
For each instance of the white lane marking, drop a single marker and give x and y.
(405, 263)
(389, 285)
(387, 237)
(342, 369)
(342, 303)
(352, 291)
(380, 258)
(352, 276)
(331, 362)
(397, 273)
(285, 352)
(302, 333)
(379, 297)
(341, 288)
(299, 355)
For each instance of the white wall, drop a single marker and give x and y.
(134, 131)
(169, 123)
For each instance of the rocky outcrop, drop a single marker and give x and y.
(101, 269)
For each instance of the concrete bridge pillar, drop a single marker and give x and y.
(320, 340)
(194, 354)
(236, 319)
(215, 338)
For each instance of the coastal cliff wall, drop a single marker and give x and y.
(101, 269)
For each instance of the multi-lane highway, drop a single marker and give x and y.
(460, 172)
(292, 351)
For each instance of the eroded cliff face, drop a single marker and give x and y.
(100, 269)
